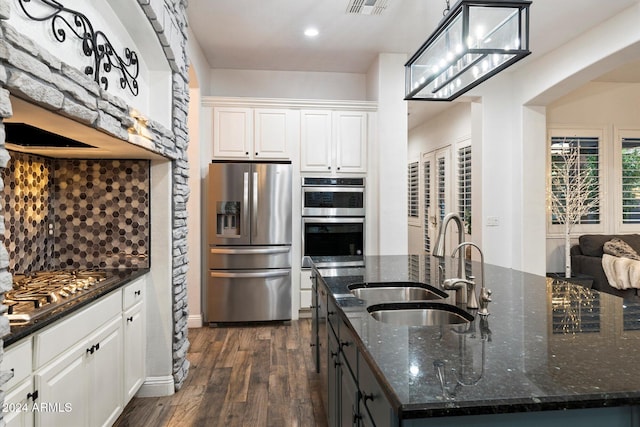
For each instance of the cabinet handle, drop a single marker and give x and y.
(344, 344)
(256, 153)
(33, 396)
(91, 350)
(137, 293)
(97, 346)
(329, 167)
(331, 313)
(312, 345)
(338, 168)
(130, 319)
(312, 306)
(333, 354)
(366, 397)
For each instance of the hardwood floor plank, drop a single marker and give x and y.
(250, 376)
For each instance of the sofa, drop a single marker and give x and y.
(586, 258)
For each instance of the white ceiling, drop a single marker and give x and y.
(268, 35)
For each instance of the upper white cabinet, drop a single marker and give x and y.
(253, 133)
(333, 141)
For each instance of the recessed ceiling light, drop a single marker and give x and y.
(311, 32)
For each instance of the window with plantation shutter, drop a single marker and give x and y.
(464, 185)
(426, 167)
(586, 166)
(413, 184)
(630, 180)
(441, 187)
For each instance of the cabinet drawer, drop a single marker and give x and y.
(133, 293)
(18, 358)
(64, 334)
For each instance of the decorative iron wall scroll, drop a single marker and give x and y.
(95, 44)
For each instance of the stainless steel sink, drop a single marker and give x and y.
(421, 313)
(395, 291)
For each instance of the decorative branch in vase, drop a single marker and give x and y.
(573, 191)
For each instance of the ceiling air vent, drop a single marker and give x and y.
(367, 7)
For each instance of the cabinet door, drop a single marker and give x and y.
(273, 136)
(232, 132)
(315, 144)
(349, 413)
(105, 384)
(134, 350)
(333, 383)
(64, 383)
(18, 405)
(350, 132)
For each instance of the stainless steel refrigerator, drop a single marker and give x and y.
(249, 234)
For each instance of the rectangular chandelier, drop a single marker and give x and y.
(473, 42)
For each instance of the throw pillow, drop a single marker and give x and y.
(620, 248)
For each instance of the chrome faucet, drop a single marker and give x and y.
(485, 294)
(438, 250)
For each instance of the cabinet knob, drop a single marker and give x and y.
(33, 396)
(130, 319)
(312, 345)
(366, 397)
(338, 168)
(329, 167)
(256, 153)
(247, 153)
(137, 293)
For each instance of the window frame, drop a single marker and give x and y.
(557, 230)
(619, 134)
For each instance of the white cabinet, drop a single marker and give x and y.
(134, 337)
(83, 369)
(20, 396)
(85, 383)
(333, 141)
(253, 133)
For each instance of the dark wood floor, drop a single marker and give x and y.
(240, 376)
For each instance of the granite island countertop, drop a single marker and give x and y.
(546, 345)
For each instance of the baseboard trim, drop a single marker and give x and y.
(194, 321)
(156, 387)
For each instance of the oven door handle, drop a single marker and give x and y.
(332, 220)
(333, 189)
(250, 274)
(249, 251)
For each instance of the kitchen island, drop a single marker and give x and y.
(550, 353)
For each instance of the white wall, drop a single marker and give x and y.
(287, 84)
(387, 178)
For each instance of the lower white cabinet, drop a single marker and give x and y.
(84, 385)
(134, 346)
(18, 403)
(82, 370)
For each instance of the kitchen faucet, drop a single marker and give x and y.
(438, 250)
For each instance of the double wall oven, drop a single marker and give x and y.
(333, 218)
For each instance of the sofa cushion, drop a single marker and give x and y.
(620, 248)
(593, 244)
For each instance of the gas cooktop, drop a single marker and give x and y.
(37, 294)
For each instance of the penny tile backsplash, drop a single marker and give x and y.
(69, 213)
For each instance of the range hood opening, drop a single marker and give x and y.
(25, 135)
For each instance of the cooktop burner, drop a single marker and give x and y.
(37, 294)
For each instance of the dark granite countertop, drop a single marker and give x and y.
(122, 277)
(546, 345)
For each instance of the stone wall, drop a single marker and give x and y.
(33, 74)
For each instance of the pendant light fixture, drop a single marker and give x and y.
(474, 41)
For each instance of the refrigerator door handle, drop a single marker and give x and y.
(250, 274)
(254, 206)
(245, 210)
(249, 251)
